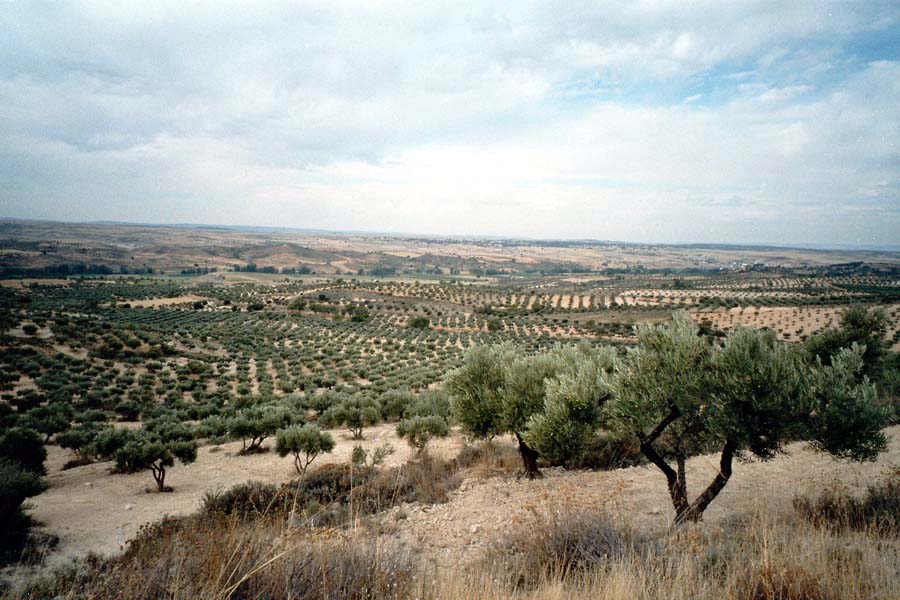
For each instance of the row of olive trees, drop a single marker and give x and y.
(677, 394)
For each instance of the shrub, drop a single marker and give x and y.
(877, 511)
(253, 498)
(16, 484)
(25, 447)
(365, 458)
(562, 544)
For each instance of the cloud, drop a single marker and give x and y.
(633, 121)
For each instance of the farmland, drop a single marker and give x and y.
(250, 328)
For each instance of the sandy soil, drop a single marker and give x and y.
(154, 302)
(93, 511)
(482, 511)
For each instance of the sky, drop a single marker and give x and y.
(717, 122)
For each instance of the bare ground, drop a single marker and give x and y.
(93, 511)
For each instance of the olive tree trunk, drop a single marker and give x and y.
(529, 459)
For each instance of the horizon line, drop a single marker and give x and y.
(812, 247)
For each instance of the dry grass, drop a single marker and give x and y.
(878, 511)
(314, 540)
(760, 556)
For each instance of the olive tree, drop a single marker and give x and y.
(681, 395)
(305, 443)
(253, 426)
(155, 448)
(550, 402)
(418, 431)
(574, 397)
(476, 389)
(860, 325)
(354, 413)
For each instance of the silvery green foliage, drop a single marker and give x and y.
(680, 395)
(523, 391)
(354, 412)
(573, 399)
(418, 431)
(845, 419)
(476, 389)
(757, 399)
(667, 369)
(305, 443)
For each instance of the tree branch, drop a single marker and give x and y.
(674, 413)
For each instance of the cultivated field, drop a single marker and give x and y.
(111, 328)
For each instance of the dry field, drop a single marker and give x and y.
(95, 512)
(165, 248)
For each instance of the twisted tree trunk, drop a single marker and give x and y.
(529, 459)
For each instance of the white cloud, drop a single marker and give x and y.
(649, 120)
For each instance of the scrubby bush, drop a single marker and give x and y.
(877, 511)
(370, 458)
(16, 484)
(564, 544)
(25, 447)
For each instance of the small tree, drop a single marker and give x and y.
(679, 395)
(49, 420)
(80, 439)
(354, 413)
(305, 443)
(155, 448)
(419, 323)
(254, 426)
(573, 400)
(859, 325)
(394, 403)
(476, 389)
(499, 390)
(430, 403)
(418, 431)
